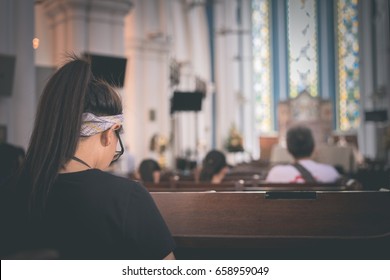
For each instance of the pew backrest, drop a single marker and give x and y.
(240, 186)
(277, 219)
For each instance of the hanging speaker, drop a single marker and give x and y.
(108, 68)
(7, 70)
(186, 101)
(376, 116)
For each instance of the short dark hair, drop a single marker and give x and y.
(300, 142)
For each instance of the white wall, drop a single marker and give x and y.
(374, 58)
(152, 33)
(147, 49)
(17, 31)
(155, 32)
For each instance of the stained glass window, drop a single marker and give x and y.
(303, 67)
(302, 47)
(262, 64)
(348, 65)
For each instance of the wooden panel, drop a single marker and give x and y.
(241, 185)
(343, 214)
(350, 139)
(309, 111)
(266, 144)
(244, 221)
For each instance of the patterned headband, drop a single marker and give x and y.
(95, 124)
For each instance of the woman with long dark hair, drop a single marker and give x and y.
(63, 198)
(149, 171)
(214, 167)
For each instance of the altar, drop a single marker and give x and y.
(312, 112)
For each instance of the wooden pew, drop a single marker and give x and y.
(240, 186)
(278, 225)
(245, 176)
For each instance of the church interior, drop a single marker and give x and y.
(232, 76)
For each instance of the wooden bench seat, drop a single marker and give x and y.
(281, 225)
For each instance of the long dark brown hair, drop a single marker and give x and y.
(146, 169)
(70, 92)
(213, 163)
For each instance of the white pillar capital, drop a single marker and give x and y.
(87, 26)
(112, 7)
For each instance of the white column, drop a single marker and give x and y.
(179, 32)
(226, 69)
(6, 47)
(387, 57)
(147, 88)
(106, 26)
(200, 57)
(382, 51)
(367, 133)
(155, 32)
(281, 49)
(249, 130)
(235, 99)
(43, 31)
(57, 14)
(87, 26)
(325, 58)
(17, 111)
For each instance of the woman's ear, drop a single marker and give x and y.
(105, 138)
(116, 127)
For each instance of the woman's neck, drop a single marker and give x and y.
(75, 165)
(83, 159)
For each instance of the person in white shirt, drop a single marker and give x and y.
(300, 144)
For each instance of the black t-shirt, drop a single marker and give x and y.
(96, 215)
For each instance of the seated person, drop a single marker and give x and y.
(11, 159)
(214, 167)
(63, 200)
(300, 144)
(149, 171)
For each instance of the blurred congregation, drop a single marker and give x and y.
(261, 109)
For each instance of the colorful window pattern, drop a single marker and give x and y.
(303, 59)
(262, 64)
(302, 47)
(348, 65)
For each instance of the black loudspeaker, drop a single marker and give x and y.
(186, 101)
(376, 116)
(7, 70)
(108, 68)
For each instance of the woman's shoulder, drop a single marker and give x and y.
(99, 179)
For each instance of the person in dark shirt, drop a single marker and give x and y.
(11, 159)
(63, 200)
